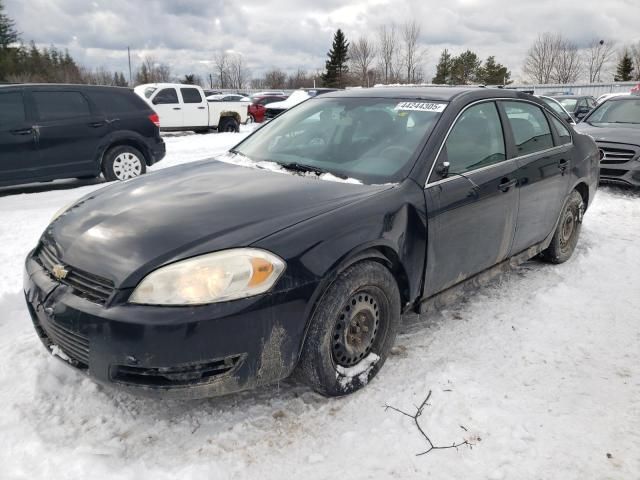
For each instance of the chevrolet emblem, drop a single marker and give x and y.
(59, 272)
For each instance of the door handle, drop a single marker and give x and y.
(200, 108)
(22, 131)
(506, 184)
(177, 108)
(562, 165)
(98, 124)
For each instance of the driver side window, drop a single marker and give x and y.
(476, 140)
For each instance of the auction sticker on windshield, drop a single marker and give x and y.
(421, 106)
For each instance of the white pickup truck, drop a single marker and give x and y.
(184, 107)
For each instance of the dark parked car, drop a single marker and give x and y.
(224, 277)
(257, 108)
(63, 131)
(577, 105)
(615, 126)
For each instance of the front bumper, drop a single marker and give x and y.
(176, 352)
(620, 164)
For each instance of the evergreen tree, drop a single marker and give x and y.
(336, 69)
(466, 67)
(624, 72)
(8, 32)
(444, 68)
(492, 73)
(189, 79)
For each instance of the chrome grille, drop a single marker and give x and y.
(86, 285)
(614, 155)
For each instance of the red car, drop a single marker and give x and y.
(257, 107)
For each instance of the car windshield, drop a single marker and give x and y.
(569, 103)
(149, 91)
(371, 139)
(617, 111)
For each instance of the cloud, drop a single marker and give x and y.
(293, 34)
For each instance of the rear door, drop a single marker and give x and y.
(543, 167)
(18, 154)
(168, 107)
(68, 132)
(473, 208)
(194, 108)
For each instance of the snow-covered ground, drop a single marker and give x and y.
(541, 369)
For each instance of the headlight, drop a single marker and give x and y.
(210, 278)
(62, 210)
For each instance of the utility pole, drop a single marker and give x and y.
(210, 81)
(129, 55)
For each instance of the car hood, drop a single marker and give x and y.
(620, 133)
(124, 231)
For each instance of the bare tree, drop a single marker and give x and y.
(597, 54)
(413, 54)
(151, 71)
(299, 79)
(237, 71)
(541, 58)
(221, 68)
(567, 65)
(275, 78)
(635, 55)
(387, 52)
(362, 54)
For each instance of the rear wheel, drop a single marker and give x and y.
(123, 163)
(567, 232)
(228, 124)
(351, 331)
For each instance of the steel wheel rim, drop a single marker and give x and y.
(357, 328)
(568, 227)
(127, 165)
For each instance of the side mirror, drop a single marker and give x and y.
(443, 169)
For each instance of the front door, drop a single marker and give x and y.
(18, 154)
(472, 205)
(168, 107)
(543, 169)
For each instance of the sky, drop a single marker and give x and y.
(292, 34)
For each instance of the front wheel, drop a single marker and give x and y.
(123, 163)
(567, 232)
(352, 330)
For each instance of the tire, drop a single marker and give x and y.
(228, 124)
(123, 163)
(337, 360)
(567, 232)
(250, 120)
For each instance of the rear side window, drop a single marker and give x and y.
(166, 96)
(561, 130)
(11, 109)
(530, 128)
(191, 95)
(60, 105)
(116, 102)
(476, 139)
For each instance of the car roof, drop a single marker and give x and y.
(427, 93)
(62, 86)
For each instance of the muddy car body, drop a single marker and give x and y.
(390, 210)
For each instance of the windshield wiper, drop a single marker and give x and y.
(303, 168)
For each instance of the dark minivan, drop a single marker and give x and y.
(50, 131)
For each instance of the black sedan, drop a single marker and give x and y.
(299, 249)
(615, 126)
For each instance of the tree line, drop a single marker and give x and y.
(553, 58)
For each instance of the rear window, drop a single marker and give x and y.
(60, 105)
(530, 128)
(116, 101)
(11, 109)
(191, 95)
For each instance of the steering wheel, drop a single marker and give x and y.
(394, 148)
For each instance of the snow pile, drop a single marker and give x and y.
(345, 375)
(543, 367)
